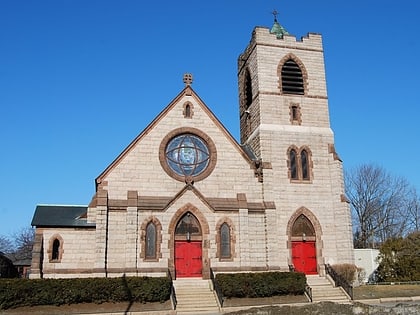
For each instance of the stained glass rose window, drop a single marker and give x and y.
(187, 155)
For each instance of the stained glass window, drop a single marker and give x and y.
(188, 225)
(187, 155)
(151, 241)
(304, 161)
(225, 241)
(293, 165)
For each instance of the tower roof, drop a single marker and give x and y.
(277, 28)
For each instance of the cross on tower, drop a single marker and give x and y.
(275, 14)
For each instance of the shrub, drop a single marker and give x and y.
(264, 284)
(25, 292)
(347, 271)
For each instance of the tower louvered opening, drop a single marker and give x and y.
(291, 78)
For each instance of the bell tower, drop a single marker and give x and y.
(281, 85)
(284, 119)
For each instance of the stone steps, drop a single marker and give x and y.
(324, 290)
(195, 296)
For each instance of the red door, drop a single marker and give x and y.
(188, 262)
(304, 257)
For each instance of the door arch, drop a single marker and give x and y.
(186, 248)
(304, 234)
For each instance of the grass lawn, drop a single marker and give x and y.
(385, 291)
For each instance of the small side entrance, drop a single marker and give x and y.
(188, 261)
(188, 247)
(304, 257)
(303, 243)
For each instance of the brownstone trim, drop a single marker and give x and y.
(232, 235)
(204, 137)
(318, 234)
(245, 269)
(51, 248)
(188, 110)
(205, 235)
(300, 178)
(37, 253)
(302, 68)
(295, 120)
(331, 150)
(158, 225)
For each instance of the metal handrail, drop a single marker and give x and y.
(216, 288)
(308, 291)
(173, 294)
(339, 280)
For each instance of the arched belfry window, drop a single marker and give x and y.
(248, 89)
(151, 241)
(292, 78)
(188, 228)
(300, 167)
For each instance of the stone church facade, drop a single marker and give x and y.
(186, 197)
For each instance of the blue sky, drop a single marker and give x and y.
(79, 80)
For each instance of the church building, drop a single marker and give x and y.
(186, 197)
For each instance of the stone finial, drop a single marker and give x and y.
(188, 79)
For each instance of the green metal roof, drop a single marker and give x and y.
(60, 216)
(278, 29)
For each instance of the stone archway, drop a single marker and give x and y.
(191, 242)
(304, 242)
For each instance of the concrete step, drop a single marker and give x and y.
(324, 290)
(195, 296)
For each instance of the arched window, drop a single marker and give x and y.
(151, 241)
(293, 164)
(225, 251)
(248, 89)
(299, 164)
(295, 114)
(55, 255)
(291, 78)
(188, 110)
(303, 228)
(304, 162)
(188, 227)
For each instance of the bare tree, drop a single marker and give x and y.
(380, 204)
(414, 212)
(24, 241)
(6, 245)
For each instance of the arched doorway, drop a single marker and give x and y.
(188, 247)
(303, 243)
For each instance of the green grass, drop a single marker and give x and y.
(385, 291)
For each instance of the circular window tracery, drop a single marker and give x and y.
(187, 154)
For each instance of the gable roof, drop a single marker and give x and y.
(187, 91)
(60, 216)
